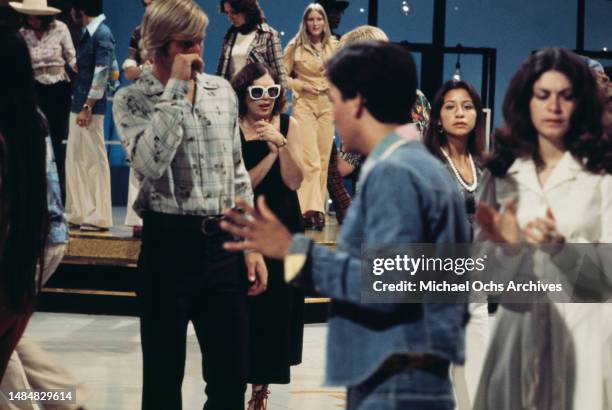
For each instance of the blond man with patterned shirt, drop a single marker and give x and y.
(181, 133)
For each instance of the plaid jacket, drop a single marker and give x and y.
(265, 48)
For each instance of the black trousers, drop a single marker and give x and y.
(188, 276)
(54, 101)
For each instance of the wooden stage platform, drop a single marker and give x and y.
(98, 272)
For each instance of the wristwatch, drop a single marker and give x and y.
(86, 107)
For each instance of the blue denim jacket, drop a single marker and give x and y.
(97, 49)
(58, 226)
(407, 197)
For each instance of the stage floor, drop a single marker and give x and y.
(104, 353)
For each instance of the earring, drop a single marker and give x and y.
(440, 129)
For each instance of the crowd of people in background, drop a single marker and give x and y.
(250, 153)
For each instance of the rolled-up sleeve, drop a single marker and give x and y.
(105, 52)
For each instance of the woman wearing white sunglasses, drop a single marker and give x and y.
(271, 148)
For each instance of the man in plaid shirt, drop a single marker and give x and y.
(180, 130)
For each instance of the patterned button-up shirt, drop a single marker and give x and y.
(54, 49)
(188, 157)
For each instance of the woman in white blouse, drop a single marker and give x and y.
(550, 185)
(51, 50)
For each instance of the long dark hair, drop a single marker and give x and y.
(46, 22)
(245, 78)
(518, 137)
(435, 138)
(254, 15)
(23, 187)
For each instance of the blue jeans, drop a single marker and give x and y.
(407, 389)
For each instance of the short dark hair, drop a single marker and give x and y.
(91, 8)
(246, 77)
(435, 138)
(251, 9)
(384, 74)
(584, 140)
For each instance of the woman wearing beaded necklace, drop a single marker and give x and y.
(456, 136)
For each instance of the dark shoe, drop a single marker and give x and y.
(308, 220)
(137, 231)
(319, 221)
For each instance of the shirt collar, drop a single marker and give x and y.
(382, 146)
(94, 24)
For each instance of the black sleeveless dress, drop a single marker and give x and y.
(276, 317)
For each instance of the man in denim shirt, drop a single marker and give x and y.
(88, 194)
(389, 355)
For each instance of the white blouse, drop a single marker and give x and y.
(581, 203)
(54, 49)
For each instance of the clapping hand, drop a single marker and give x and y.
(500, 227)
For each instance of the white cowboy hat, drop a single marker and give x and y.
(34, 7)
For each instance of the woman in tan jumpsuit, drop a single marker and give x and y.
(305, 56)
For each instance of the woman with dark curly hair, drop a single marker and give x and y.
(271, 148)
(550, 184)
(249, 40)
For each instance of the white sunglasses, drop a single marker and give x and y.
(257, 92)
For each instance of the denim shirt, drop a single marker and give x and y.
(96, 49)
(58, 226)
(407, 197)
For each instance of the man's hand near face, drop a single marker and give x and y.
(186, 66)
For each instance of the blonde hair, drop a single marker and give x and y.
(362, 33)
(302, 38)
(165, 20)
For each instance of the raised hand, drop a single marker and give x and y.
(499, 227)
(260, 228)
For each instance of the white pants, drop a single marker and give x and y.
(467, 377)
(88, 192)
(31, 368)
(131, 218)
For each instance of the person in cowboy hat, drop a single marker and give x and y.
(34, 8)
(334, 10)
(51, 49)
